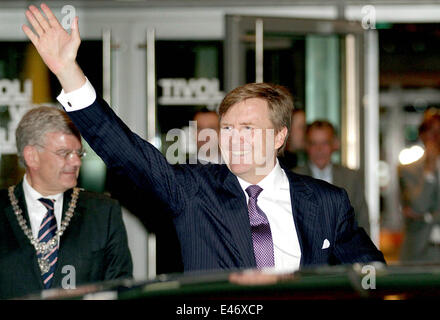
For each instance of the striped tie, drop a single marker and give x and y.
(47, 231)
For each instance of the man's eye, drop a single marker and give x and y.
(248, 129)
(62, 153)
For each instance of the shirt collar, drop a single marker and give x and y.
(271, 183)
(325, 173)
(34, 195)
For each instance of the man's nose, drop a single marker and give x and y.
(74, 159)
(238, 136)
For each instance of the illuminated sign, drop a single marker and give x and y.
(14, 103)
(201, 91)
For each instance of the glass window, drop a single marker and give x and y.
(25, 82)
(189, 79)
(409, 88)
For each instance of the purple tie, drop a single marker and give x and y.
(261, 234)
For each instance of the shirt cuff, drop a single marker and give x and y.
(78, 99)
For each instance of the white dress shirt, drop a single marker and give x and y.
(79, 98)
(37, 210)
(275, 202)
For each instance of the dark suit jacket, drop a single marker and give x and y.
(352, 182)
(209, 207)
(94, 243)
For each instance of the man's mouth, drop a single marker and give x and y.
(70, 172)
(240, 153)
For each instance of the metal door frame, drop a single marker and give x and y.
(359, 76)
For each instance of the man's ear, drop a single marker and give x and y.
(280, 138)
(31, 156)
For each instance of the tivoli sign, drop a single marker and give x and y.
(14, 102)
(201, 91)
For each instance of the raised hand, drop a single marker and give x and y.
(56, 46)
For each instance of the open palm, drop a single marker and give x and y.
(55, 45)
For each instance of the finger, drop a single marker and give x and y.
(237, 279)
(53, 21)
(75, 29)
(34, 23)
(30, 34)
(41, 20)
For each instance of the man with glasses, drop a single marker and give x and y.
(53, 234)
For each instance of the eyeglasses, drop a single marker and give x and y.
(67, 154)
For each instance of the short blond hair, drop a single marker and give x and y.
(34, 125)
(278, 98)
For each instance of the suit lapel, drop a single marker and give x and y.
(237, 218)
(67, 238)
(304, 211)
(66, 200)
(18, 232)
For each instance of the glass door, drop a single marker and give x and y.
(322, 62)
(25, 82)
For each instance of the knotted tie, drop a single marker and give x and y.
(48, 229)
(261, 234)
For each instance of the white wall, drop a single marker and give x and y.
(128, 32)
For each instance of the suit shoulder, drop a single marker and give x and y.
(313, 183)
(96, 197)
(301, 170)
(210, 171)
(347, 172)
(3, 193)
(98, 207)
(4, 198)
(344, 169)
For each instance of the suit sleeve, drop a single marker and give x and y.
(118, 262)
(352, 243)
(128, 154)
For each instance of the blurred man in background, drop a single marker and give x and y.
(207, 136)
(321, 143)
(294, 154)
